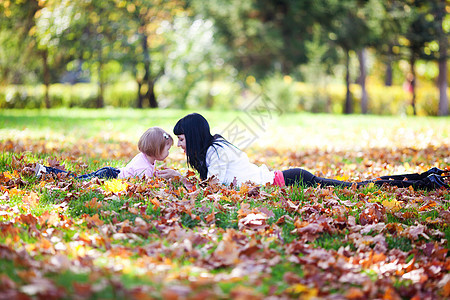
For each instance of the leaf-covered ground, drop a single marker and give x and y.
(137, 239)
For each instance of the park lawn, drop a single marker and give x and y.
(144, 239)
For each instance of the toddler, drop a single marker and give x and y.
(153, 145)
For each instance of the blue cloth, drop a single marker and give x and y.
(105, 172)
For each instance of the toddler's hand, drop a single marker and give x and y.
(167, 173)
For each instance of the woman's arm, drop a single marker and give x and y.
(218, 160)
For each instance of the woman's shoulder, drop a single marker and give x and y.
(223, 147)
(220, 143)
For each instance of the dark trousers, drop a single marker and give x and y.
(105, 172)
(299, 176)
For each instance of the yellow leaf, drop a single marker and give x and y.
(392, 205)
(14, 191)
(370, 185)
(243, 190)
(297, 288)
(343, 177)
(115, 186)
(7, 175)
(307, 292)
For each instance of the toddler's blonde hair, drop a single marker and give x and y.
(153, 141)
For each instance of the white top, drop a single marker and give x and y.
(138, 166)
(228, 162)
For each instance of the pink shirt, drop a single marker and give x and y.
(279, 179)
(138, 166)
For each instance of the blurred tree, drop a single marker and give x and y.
(140, 41)
(192, 56)
(265, 36)
(16, 21)
(28, 48)
(50, 23)
(347, 28)
(41, 39)
(93, 29)
(371, 15)
(262, 36)
(440, 10)
(392, 20)
(423, 38)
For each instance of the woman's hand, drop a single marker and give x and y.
(168, 173)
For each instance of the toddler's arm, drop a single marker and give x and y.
(169, 173)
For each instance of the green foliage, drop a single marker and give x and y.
(281, 90)
(193, 57)
(62, 95)
(121, 94)
(290, 96)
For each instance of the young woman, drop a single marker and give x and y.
(153, 145)
(213, 155)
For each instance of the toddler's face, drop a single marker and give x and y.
(164, 153)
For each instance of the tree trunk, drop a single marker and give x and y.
(209, 97)
(139, 95)
(101, 84)
(443, 75)
(413, 83)
(362, 80)
(150, 95)
(147, 81)
(46, 69)
(101, 87)
(442, 82)
(348, 108)
(388, 77)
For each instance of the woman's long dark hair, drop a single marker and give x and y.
(198, 139)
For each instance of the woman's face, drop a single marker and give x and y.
(182, 142)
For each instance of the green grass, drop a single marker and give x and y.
(299, 130)
(401, 243)
(77, 137)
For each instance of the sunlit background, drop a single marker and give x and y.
(378, 57)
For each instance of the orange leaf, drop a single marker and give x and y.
(211, 217)
(93, 221)
(32, 199)
(28, 219)
(155, 202)
(133, 210)
(354, 293)
(93, 203)
(390, 294)
(428, 205)
(45, 244)
(8, 228)
(446, 289)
